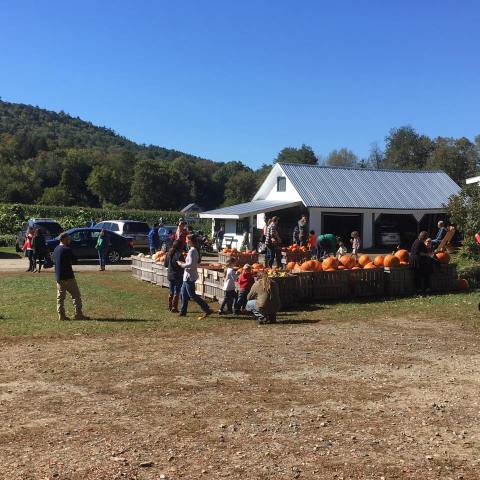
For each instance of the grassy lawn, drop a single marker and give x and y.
(116, 302)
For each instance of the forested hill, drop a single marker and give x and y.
(54, 158)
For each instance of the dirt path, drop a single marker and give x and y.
(376, 399)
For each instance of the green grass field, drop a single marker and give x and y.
(118, 303)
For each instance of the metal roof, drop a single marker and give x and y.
(333, 187)
(242, 210)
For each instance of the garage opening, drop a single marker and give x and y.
(289, 217)
(393, 230)
(429, 222)
(342, 224)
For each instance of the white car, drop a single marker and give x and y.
(128, 228)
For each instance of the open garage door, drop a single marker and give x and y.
(342, 224)
(392, 230)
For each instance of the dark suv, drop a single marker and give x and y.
(49, 227)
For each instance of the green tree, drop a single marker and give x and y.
(464, 213)
(304, 154)
(376, 158)
(405, 149)
(342, 158)
(240, 188)
(459, 158)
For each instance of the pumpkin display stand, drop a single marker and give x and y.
(305, 284)
(366, 282)
(399, 282)
(212, 284)
(289, 289)
(146, 269)
(444, 278)
(136, 267)
(330, 285)
(160, 275)
(240, 257)
(297, 257)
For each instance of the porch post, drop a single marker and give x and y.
(250, 233)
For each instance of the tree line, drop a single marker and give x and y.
(52, 158)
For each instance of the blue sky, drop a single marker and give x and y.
(241, 80)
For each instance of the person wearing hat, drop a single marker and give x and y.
(182, 232)
(245, 282)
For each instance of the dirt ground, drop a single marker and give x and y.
(376, 399)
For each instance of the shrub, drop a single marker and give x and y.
(464, 213)
(8, 240)
(13, 216)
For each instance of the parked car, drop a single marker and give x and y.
(49, 227)
(138, 231)
(164, 233)
(84, 241)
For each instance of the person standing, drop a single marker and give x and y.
(39, 248)
(174, 275)
(101, 247)
(63, 259)
(273, 243)
(296, 235)
(312, 243)
(421, 263)
(190, 276)
(219, 235)
(181, 233)
(327, 244)
(28, 250)
(264, 300)
(245, 283)
(303, 230)
(153, 239)
(229, 287)
(356, 243)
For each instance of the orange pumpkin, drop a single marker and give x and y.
(290, 265)
(347, 261)
(331, 270)
(369, 266)
(379, 259)
(341, 267)
(318, 265)
(257, 266)
(463, 284)
(402, 255)
(307, 266)
(330, 263)
(364, 260)
(443, 257)
(391, 261)
(357, 268)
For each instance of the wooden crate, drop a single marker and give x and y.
(305, 284)
(160, 275)
(298, 257)
(289, 288)
(136, 267)
(330, 285)
(444, 278)
(212, 284)
(399, 282)
(368, 282)
(147, 269)
(241, 258)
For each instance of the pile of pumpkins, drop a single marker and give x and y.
(159, 256)
(294, 248)
(346, 262)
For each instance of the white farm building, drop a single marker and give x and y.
(387, 207)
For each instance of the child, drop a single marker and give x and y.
(342, 250)
(245, 283)
(28, 250)
(312, 243)
(356, 243)
(229, 286)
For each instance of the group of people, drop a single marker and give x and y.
(261, 298)
(35, 249)
(318, 245)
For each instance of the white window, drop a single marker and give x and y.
(281, 184)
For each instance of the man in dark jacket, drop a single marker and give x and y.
(153, 239)
(63, 258)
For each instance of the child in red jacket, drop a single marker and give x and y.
(245, 282)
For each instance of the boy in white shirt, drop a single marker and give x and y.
(229, 287)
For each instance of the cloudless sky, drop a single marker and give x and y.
(240, 80)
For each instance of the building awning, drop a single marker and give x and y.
(248, 209)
